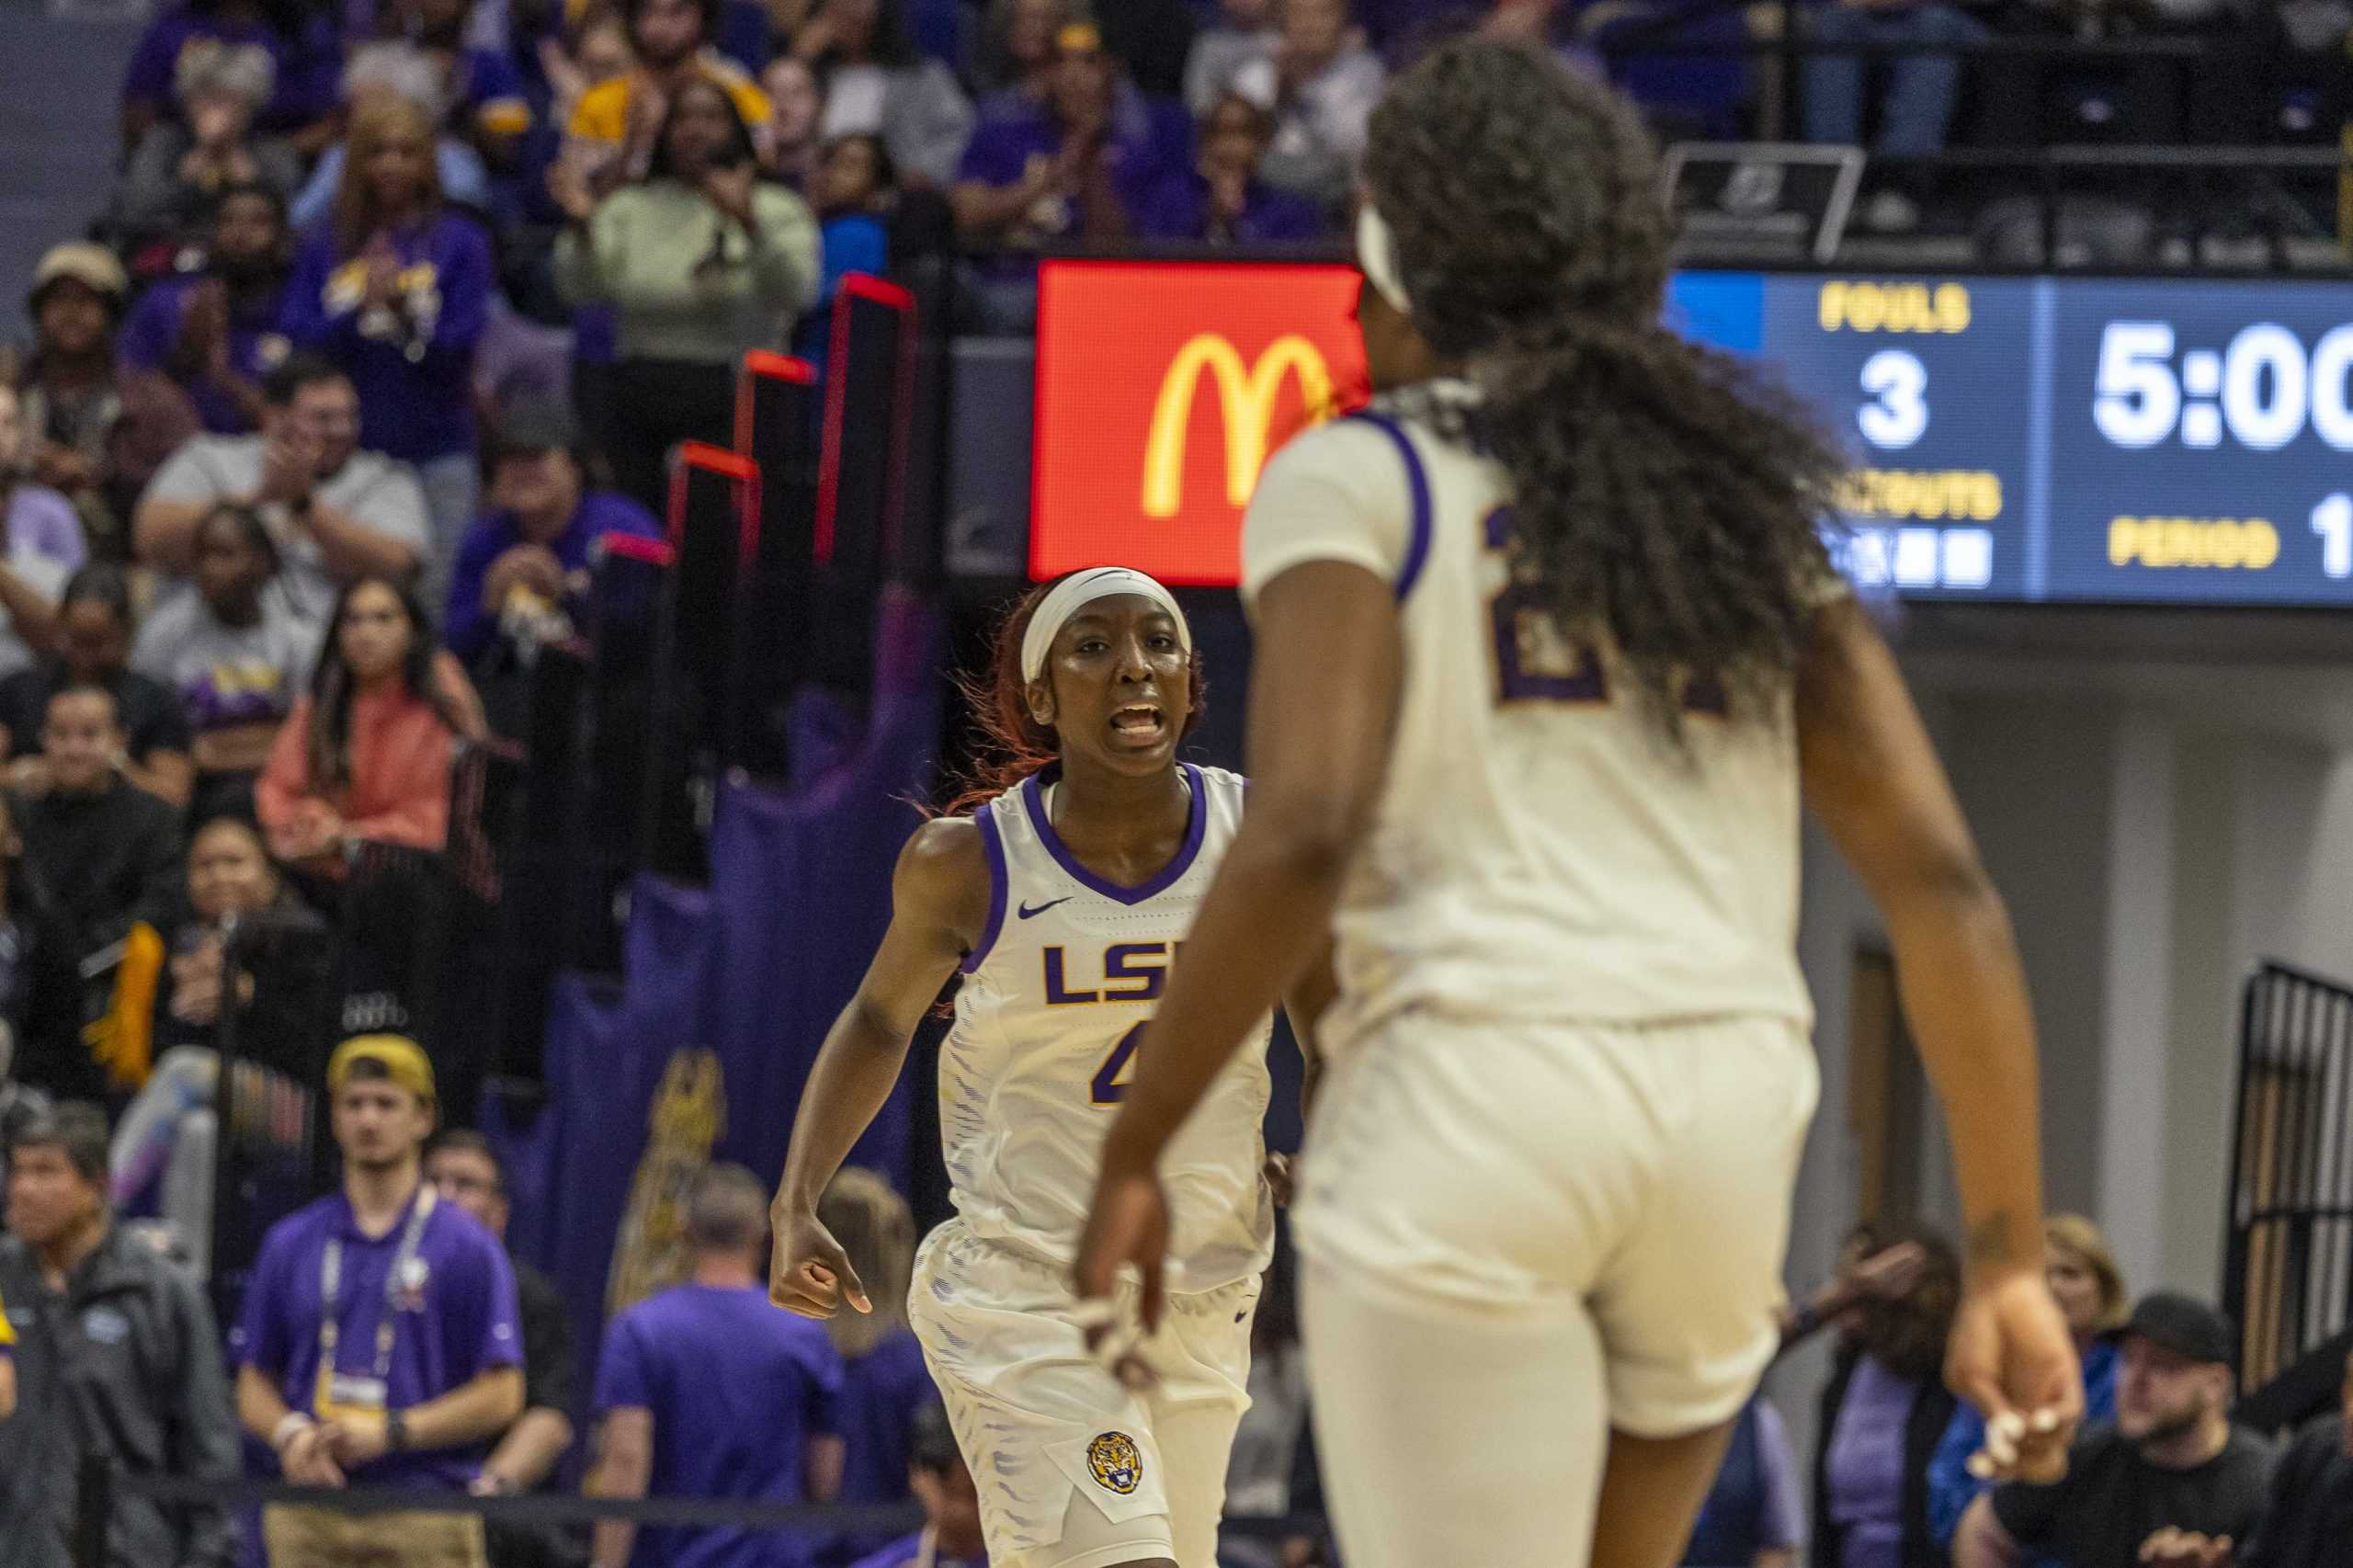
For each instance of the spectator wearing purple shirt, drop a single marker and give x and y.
(707, 1390)
(216, 332)
(1882, 1415)
(381, 1345)
(1066, 176)
(395, 288)
(885, 1386)
(1222, 200)
(299, 44)
(525, 562)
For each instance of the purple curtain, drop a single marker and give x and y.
(700, 1052)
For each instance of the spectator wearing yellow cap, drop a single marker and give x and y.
(380, 1345)
(96, 434)
(1066, 176)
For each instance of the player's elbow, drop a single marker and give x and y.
(1317, 854)
(1946, 885)
(1307, 838)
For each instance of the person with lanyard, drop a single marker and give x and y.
(7, 1365)
(380, 1345)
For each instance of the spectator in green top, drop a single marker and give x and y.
(700, 263)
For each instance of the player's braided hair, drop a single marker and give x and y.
(1662, 495)
(1013, 745)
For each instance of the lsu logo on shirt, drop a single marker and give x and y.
(1129, 972)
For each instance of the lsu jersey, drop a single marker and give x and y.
(1540, 849)
(1054, 999)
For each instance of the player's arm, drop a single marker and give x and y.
(1872, 776)
(940, 895)
(1323, 698)
(1309, 996)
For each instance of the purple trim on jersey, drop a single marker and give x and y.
(1417, 543)
(992, 845)
(1033, 797)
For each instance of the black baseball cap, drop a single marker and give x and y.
(2183, 1325)
(534, 424)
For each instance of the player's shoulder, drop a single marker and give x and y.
(1338, 448)
(944, 867)
(1222, 780)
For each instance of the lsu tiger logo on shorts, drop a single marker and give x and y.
(1115, 1463)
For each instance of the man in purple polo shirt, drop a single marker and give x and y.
(707, 1390)
(381, 1345)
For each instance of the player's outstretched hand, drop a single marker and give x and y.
(808, 1273)
(2012, 1357)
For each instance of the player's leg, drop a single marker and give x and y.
(1463, 1184)
(1203, 1354)
(1652, 1490)
(1689, 1307)
(1449, 1436)
(1062, 1457)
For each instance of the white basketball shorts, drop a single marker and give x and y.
(1074, 1470)
(1521, 1235)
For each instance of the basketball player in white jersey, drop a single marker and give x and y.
(1548, 651)
(1064, 898)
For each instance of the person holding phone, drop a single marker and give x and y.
(700, 262)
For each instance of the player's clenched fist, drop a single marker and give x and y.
(808, 1273)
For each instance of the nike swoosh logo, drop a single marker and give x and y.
(1028, 912)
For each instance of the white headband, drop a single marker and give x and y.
(1377, 253)
(1077, 591)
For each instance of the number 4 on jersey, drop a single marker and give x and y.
(1110, 1085)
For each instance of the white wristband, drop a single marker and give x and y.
(292, 1421)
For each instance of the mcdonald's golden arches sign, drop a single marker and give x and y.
(1163, 388)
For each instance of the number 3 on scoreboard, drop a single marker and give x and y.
(1110, 1085)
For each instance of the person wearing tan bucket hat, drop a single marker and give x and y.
(96, 433)
(380, 1344)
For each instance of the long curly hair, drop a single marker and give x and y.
(1013, 745)
(1666, 501)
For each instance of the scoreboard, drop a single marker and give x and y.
(2069, 439)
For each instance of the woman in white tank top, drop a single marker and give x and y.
(1063, 895)
(1543, 645)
